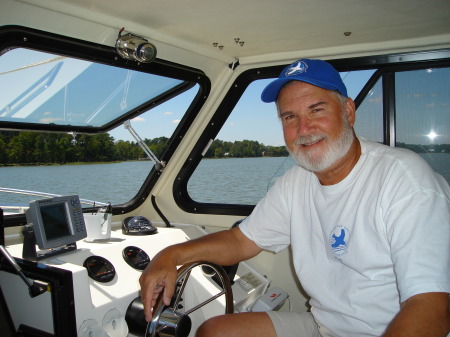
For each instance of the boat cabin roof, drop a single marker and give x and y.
(269, 29)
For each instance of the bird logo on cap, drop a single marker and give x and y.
(297, 68)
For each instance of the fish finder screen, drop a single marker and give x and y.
(56, 223)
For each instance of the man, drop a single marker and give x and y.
(368, 226)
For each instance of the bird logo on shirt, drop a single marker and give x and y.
(339, 240)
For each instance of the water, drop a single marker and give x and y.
(236, 180)
(115, 183)
(440, 162)
(232, 180)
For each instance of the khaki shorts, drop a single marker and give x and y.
(294, 324)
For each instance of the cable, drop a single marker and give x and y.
(159, 212)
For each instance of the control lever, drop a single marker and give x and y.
(35, 287)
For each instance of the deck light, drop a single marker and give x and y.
(132, 47)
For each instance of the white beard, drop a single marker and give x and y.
(318, 160)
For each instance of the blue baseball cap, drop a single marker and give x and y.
(315, 72)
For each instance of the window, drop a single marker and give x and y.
(423, 115)
(241, 164)
(249, 149)
(41, 89)
(369, 115)
(45, 88)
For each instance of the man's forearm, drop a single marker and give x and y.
(223, 248)
(422, 315)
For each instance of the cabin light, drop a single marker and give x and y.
(132, 47)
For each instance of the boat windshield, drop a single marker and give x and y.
(43, 88)
(88, 108)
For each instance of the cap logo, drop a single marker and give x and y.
(296, 68)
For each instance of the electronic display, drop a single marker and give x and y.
(54, 217)
(99, 269)
(136, 257)
(57, 221)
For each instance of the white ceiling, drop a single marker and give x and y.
(270, 26)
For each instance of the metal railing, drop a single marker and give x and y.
(21, 208)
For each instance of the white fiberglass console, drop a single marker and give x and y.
(92, 287)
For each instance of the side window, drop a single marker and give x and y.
(369, 115)
(423, 115)
(247, 155)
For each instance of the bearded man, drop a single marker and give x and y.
(368, 226)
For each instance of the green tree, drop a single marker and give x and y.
(124, 150)
(157, 145)
(59, 148)
(3, 151)
(219, 152)
(21, 148)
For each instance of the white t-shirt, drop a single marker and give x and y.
(364, 245)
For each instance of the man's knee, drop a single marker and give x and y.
(214, 326)
(238, 325)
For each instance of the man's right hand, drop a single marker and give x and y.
(224, 248)
(158, 277)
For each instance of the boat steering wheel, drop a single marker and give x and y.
(167, 321)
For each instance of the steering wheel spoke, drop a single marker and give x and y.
(167, 321)
(179, 290)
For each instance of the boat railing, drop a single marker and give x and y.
(13, 208)
(10, 208)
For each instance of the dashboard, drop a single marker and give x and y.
(105, 281)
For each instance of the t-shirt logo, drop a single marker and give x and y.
(339, 240)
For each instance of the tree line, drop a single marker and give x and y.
(32, 148)
(244, 148)
(430, 148)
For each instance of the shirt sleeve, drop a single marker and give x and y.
(418, 230)
(269, 224)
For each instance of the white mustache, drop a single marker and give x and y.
(311, 139)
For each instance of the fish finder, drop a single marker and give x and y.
(54, 224)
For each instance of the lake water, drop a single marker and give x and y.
(232, 180)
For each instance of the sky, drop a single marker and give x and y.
(159, 121)
(422, 109)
